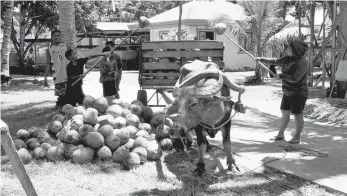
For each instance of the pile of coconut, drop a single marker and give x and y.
(127, 133)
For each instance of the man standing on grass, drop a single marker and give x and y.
(57, 58)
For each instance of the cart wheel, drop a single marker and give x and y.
(142, 96)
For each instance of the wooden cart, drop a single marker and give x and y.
(160, 63)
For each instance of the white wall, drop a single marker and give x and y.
(233, 58)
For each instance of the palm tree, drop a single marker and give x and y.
(5, 50)
(67, 22)
(179, 23)
(261, 20)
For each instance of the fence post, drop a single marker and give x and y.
(16, 162)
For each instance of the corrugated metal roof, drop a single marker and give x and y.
(113, 26)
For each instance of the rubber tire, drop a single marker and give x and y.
(142, 96)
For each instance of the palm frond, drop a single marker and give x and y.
(237, 28)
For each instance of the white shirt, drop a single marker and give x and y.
(59, 61)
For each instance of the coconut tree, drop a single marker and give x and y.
(67, 22)
(5, 51)
(261, 20)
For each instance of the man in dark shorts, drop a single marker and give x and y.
(75, 69)
(294, 86)
(111, 45)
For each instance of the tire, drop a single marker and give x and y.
(142, 96)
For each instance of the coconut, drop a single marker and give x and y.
(59, 117)
(72, 137)
(120, 154)
(142, 133)
(166, 144)
(84, 129)
(24, 155)
(40, 153)
(104, 153)
(130, 144)
(123, 135)
(23, 134)
(90, 116)
(101, 104)
(132, 131)
(136, 109)
(120, 122)
(132, 120)
(55, 153)
(140, 142)
(162, 132)
(131, 161)
(114, 110)
(142, 152)
(125, 112)
(83, 155)
(106, 130)
(18, 143)
(145, 126)
(46, 146)
(55, 127)
(80, 110)
(88, 101)
(94, 140)
(113, 142)
(32, 143)
(76, 124)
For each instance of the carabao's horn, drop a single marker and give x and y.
(231, 85)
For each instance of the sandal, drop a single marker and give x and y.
(294, 140)
(278, 138)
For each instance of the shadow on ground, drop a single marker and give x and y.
(269, 182)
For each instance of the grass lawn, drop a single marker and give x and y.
(26, 105)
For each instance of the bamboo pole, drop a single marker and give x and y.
(324, 51)
(312, 12)
(16, 162)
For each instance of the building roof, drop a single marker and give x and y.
(199, 12)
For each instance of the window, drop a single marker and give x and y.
(163, 35)
(246, 42)
(206, 35)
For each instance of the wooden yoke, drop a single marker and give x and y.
(18, 167)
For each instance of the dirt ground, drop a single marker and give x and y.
(24, 105)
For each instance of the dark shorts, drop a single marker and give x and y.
(60, 89)
(109, 88)
(294, 103)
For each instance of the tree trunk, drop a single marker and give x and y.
(179, 23)
(67, 23)
(5, 49)
(21, 54)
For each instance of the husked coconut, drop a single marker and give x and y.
(101, 104)
(145, 126)
(166, 144)
(24, 155)
(55, 153)
(93, 140)
(40, 153)
(83, 155)
(80, 109)
(140, 142)
(125, 112)
(76, 124)
(120, 122)
(132, 131)
(130, 144)
(113, 142)
(46, 146)
(114, 110)
(18, 143)
(132, 120)
(59, 117)
(104, 153)
(142, 152)
(55, 127)
(123, 135)
(88, 101)
(120, 154)
(90, 116)
(84, 129)
(32, 143)
(136, 109)
(142, 133)
(131, 161)
(23, 134)
(105, 130)
(72, 137)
